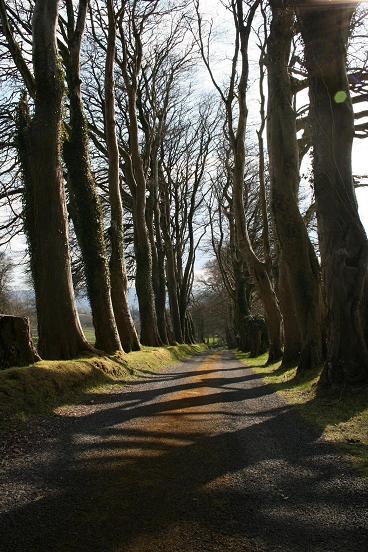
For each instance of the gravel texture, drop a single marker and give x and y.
(202, 457)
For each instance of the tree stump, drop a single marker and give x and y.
(16, 345)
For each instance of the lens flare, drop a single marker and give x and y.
(340, 96)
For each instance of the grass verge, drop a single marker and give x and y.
(342, 419)
(41, 387)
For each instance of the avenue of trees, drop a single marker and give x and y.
(118, 165)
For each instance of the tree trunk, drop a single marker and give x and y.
(257, 336)
(189, 329)
(160, 294)
(172, 285)
(170, 333)
(84, 201)
(173, 293)
(143, 281)
(16, 346)
(256, 268)
(158, 268)
(301, 270)
(292, 344)
(343, 242)
(270, 305)
(59, 329)
(241, 307)
(192, 329)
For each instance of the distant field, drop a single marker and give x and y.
(90, 335)
(88, 332)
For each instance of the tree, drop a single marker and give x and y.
(40, 140)
(85, 205)
(119, 280)
(158, 92)
(184, 164)
(343, 242)
(300, 269)
(237, 138)
(130, 65)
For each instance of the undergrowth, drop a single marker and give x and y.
(41, 387)
(341, 419)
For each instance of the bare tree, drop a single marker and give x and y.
(119, 280)
(237, 138)
(135, 17)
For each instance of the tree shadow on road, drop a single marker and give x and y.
(230, 468)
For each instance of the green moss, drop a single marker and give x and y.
(341, 419)
(41, 387)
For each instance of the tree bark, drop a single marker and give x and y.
(173, 294)
(241, 306)
(292, 342)
(84, 201)
(158, 265)
(301, 265)
(172, 285)
(143, 282)
(59, 329)
(343, 242)
(143, 252)
(160, 293)
(119, 280)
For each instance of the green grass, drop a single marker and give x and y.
(341, 419)
(41, 387)
(90, 335)
(87, 330)
(214, 341)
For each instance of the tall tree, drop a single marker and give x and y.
(299, 263)
(135, 17)
(236, 133)
(119, 280)
(85, 205)
(257, 268)
(342, 239)
(60, 333)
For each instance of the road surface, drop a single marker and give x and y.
(202, 457)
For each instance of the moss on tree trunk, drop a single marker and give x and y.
(59, 329)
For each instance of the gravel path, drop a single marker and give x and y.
(202, 457)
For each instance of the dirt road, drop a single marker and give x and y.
(201, 457)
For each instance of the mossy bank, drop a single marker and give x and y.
(41, 387)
